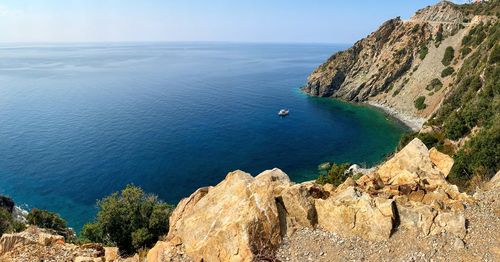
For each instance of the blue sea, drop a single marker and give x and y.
(80, 121)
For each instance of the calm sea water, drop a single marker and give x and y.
(80, 121)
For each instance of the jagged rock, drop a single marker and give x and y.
(111, 254)
(35, 244)
(410, 166)
(240, 219)
(9, 241)
(354, 212)
(415, 216)
(442, 161)
(450, 222)
(443, 12)
(299, 205)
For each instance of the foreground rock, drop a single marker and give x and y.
(236, 220)
(245, 218)
(35, 244)
(481, 242)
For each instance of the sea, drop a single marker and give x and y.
(79, 121)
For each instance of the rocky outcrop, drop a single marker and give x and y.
(245, 218)
(35, 244)
(394, 65)
(236, 220)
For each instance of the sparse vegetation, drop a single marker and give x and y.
(50, 220)
(473, 103)
(9, 225)
(420, 103)
(336, 175)
(435, 85)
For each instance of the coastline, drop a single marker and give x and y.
(414, 123)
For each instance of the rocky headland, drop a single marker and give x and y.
(394, 65)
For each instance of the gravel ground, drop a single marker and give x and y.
(482, 242)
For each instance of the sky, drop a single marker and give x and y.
(293, 21)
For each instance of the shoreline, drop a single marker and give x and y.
(414, 123)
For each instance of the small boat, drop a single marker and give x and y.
(283, 112)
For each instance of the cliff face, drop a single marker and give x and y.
(395, 65)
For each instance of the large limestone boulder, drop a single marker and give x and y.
(233, 221)
(409, 166)
(352, 212)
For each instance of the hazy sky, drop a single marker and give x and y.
(329, 21)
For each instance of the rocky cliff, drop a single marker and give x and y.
(398, 63)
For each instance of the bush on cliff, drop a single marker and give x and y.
(130, 219)
(420, 103)
(49, 220)
(5, 221)
(447, 71)
(448, 56)
(423, 52)
(336, 175)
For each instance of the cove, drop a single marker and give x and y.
(80, 121)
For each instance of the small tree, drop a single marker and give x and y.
(447, 71)
(449, 53)
(130, 219)
(420, 103)
(423, 52)
(434, 85)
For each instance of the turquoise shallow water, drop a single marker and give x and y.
(80, 121)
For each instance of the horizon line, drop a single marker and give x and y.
(172, 41)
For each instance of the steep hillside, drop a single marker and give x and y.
(405, 67)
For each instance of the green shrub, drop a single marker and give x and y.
(420, 103)
(49, 220)
(130, 219)
(466, 40)
(8, 224)
(415, 28)
(447, 71)
(448, 56)
(423, 52)
(430, 140)
(455, 127)
(336, 175)
(479, 156)
(434, 85)
(495, 54)
(5, 221)
(465, 51)
(405, 139)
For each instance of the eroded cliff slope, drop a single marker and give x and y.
(400, 62)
